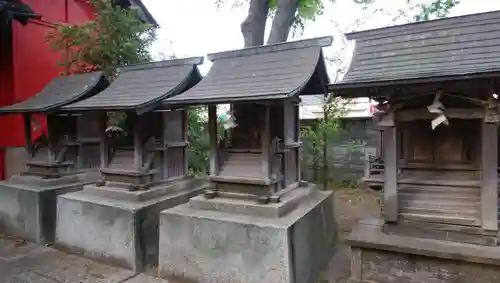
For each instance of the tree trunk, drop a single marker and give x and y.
(254, 26)
(283, 21)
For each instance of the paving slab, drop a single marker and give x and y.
(142, 278)
(24, 262)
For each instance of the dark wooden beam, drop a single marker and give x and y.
(138, 142)
(104, 146)
(460, 113)
(27, 134)
(297, 137)
(185, 130)
(265, 141)
(212, 132)
(52, 126)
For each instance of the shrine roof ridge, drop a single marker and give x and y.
(283, 46)
(261, 73)
(161, 64)
(427, 26)
(451, 49)
(59, 92)
(142, 87)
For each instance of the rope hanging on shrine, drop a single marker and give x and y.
(383, 112)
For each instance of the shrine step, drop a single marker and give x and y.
(445, 232)
(122, 159)
(242, 165)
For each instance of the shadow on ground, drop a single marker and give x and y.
(350, 206)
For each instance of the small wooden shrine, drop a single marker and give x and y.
(436, 84)
(258, 157)
(143, 165)
(149, 147)
(71, 144)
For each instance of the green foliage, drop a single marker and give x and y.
(198, 140)
(436, 9)
(317, 136)
(116, 37)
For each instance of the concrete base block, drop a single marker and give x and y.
(229, 244)
(116, 227)
(28, 204)
(385, 258)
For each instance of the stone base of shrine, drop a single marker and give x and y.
(230, 240)
(383, 258)
(28, 204)
(117, 226)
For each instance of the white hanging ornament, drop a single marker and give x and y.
(437, 108)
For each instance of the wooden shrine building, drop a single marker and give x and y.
(62, 160)
(258, 157)
(436, 83)
(150, 146)
(143, 165)
(70, 146)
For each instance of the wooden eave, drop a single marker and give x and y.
(59, 92)
(452, 49)
(261, 73)
(142, 87)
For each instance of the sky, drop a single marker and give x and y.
(199, 27)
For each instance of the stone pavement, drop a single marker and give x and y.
(22, 262)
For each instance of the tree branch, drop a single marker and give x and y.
(283, 21)
(254, 26)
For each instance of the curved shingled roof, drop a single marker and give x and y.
(450, 48)
(59, 92)
(142, 87)
(265, 72)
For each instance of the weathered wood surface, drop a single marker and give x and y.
(212, 133)
(390, 175)
(489, 176)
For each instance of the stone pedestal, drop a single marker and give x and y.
(383, 258)
(28, 204)
(117, 226)
(231, 240)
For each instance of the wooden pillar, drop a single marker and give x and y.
(489, 176)
(27, 134)
(103, 145)
(164, 142)
(289, 127)
(390, 174)
(212, 133)
(288, 138)
(185, 129)
(138, 143)
(52, 137)
(297, 138)
(380, 143)
(265, 141)
(325, 144)
(79, 124)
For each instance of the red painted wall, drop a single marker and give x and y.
(32, 63)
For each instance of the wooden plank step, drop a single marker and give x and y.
(439, 197)
(439, 189)
(440, 211)
(439, 218)
(440, 204)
